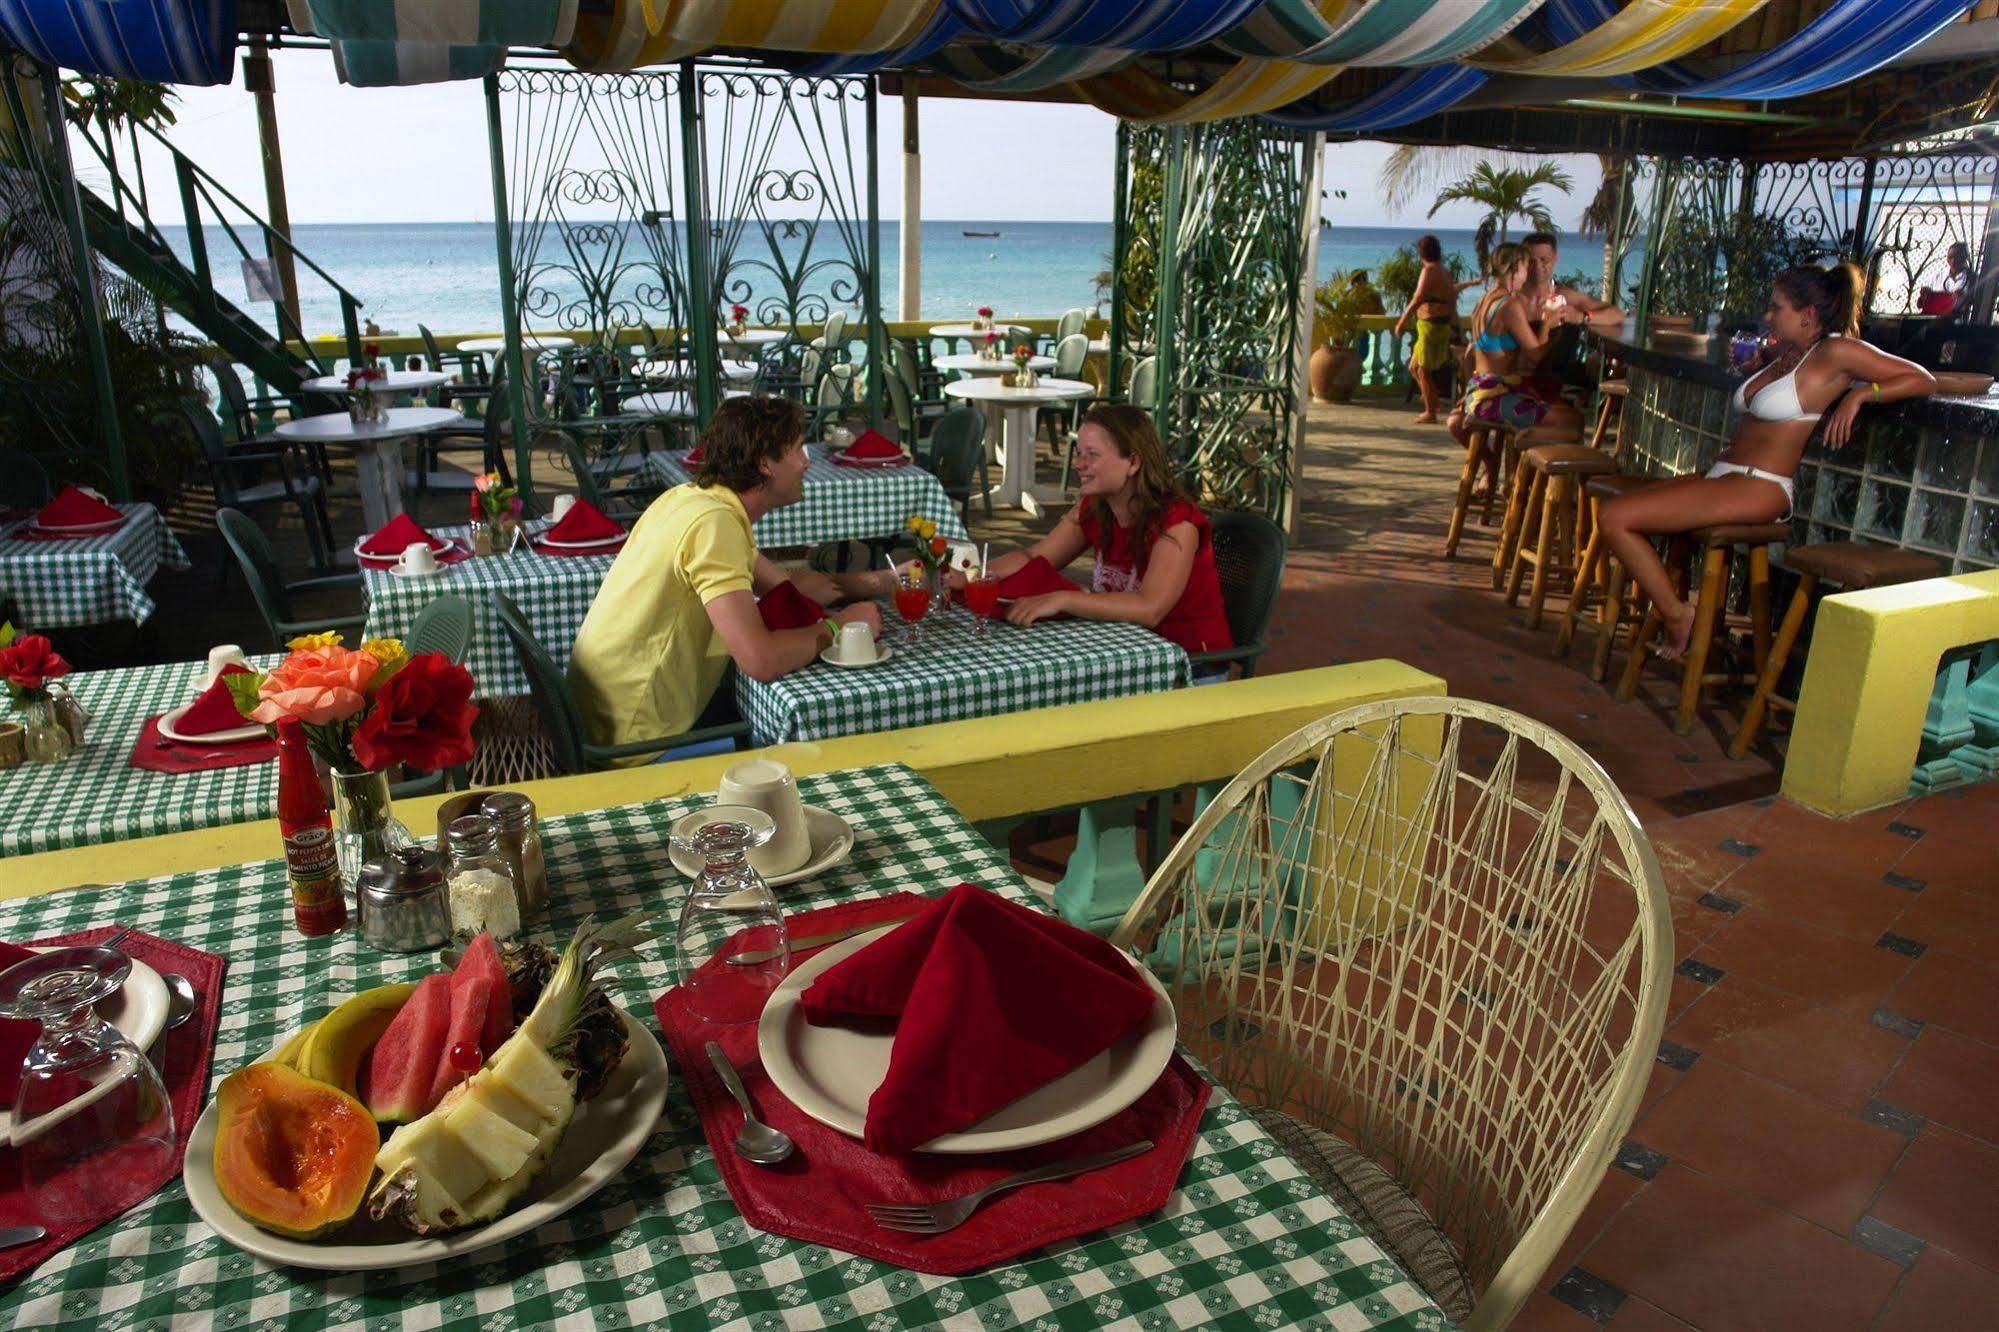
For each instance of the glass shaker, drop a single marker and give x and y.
(479, 881)
(731, 950)
(520, 842)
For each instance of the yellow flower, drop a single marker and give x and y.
(390, 652)
(915, 522)
(926, 529)
(314, 642)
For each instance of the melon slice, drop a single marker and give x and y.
(404, 1063)
(482, 958)
(470, 998)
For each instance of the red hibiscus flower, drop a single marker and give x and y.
(422, 717)
(31, 662)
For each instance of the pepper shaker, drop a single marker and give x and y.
(520, 842)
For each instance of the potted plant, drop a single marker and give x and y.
(1335, 368)
(30, 665)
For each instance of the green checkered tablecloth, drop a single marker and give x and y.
(841, 503)
(1247, 1241)
(952, 674)
(96, 796)
(553, 591)
(91, 580)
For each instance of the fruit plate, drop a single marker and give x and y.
(138, 1011)
(606, 1133)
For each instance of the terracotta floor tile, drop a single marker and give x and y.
(1954, 921)
(1805, 960)
(1684, 995)
(1952, 992)
(1544, 1313)
(1811, 887)
(1956, 815)
(1637, 1316)
(1862, 844)
(1617, 1189)
(1724, 1262)
(1942, 1291)
(1830, 1055)
(1692, 923)
(1943, 1191)
(1784, 1147)
(1941, 859)
(1663, 1080)
(1951, 1080)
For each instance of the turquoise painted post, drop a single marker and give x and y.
(701, 308)
(1103, 877)
(1367, 346)
(1947, 726)
(1240, 890)
(1980, 759)
(877, 328)
(1398, 369)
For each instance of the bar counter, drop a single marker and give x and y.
(1922, 474)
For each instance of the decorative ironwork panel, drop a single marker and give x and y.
(1921, 206)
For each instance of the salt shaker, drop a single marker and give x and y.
(520, 842)
(480, 882)
(400, 901)
(72, 714)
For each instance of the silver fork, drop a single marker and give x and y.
(938, 1217)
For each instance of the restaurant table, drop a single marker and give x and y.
(78, 581)
(841, 503)
(96, 796)
(1019, 409)
(378, 450)
(755, 340)
(534, 342)
(971, 363)
(952, 674)
(393, 382)
(684, 369)
(554, 592)
(674, 404)
(1247, 1240)
(968, 333)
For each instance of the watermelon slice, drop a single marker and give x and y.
(482, 958)
(471, 997)
(396, 1082)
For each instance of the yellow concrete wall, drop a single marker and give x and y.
(1868, 680)
(990, 768)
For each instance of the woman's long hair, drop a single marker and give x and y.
(1153, 489)
(1833, 292)
(1504, 259)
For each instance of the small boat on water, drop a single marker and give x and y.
(981, 233)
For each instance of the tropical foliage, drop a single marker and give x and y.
(1708, 265)
(1506, 194)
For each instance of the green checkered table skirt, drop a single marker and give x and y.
(1247, 1240)
(91, 580)
(96, 796)
(952, 674)
(841, 503)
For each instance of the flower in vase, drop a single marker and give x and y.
(390, 653)
(985, 312)
(30, 662)
(313, 642)
(422, 718)
(938, 545)
(315, 686)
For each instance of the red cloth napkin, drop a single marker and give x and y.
(216, 709)
(73, 508)
(584, 522)
(398, 533)
(150, 755)
(1033, 579)
(785, 607)
(694, 457)
(817, 1194)
(873, 445)
(992, 1000)
(185, 1055)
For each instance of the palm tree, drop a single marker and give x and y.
(1506, 193)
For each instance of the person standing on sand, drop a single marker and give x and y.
(1434, 306)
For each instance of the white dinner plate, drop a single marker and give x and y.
(77, 529)
(598, 544)
(831, 838)
(438, 546)
(882, 654)
(138, 1011)
(248, 731)
(606, 1133)
(843, 460)
(830, 1072)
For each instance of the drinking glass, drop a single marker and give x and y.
(912, 603)
(732, 950)
(981, 599)
(92, 1121)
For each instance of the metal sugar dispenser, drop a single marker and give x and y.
(400, 901)
(731, 950)
(478, 880)
(520, 842)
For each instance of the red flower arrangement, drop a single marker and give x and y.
(368, 708)
(985, 312)
(739, 312)
(365, 371)
(28, 664)
(422, 718)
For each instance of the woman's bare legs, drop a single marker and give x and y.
(1428, 387)
(1671, 507)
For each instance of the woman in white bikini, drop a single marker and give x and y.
(1818, 368)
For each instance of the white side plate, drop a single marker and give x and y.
(251, 731)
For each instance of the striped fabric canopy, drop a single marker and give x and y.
(624, 39)
(382, 43)
(838, 27)
(1249, 88)
(1016, 69)
(166, 41)
(1643, 33)
(1375, 32)
(1403, 100)
(1133, 25)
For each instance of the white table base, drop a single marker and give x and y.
(1017, 489)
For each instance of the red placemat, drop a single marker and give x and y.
(817, 1194)
(179, 756)
(185, 1056)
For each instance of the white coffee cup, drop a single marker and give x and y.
(220, 656)
(766, 784)
(839, 438)
(560, 509)
(856, 644)
(418, 558)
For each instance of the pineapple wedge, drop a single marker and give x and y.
(467, 1160)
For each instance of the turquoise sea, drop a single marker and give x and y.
(445, 274)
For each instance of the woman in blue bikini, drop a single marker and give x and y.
(1819, 368)
(1506, 346)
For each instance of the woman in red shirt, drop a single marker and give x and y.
(1155, 552)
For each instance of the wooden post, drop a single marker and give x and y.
(257, 78)
(910, 275)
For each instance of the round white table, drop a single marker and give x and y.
(675, 404)
(683, 369)
(969, 333)
(1018, 410)
(534, 342)
(755, 339)
(394, 382)
(971, 363)
(378, 451)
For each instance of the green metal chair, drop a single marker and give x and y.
(623, 503)
(242, 417)
(443, 626)
(1249, 561)
(296, 485)
(1144, 377)
(481, 435)
(957, 453)
(557, 710)
(1061, 418)
(24, 484)
(474, 392)
(832, 337)
(1070, 324)
(272, 594)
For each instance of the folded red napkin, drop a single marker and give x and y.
(184, 1057)
(72, 507)
(398, 533)
(872, 445)
(817, 1195)
(785, 607)
(992, 1000)
(694, 457)
(153, 752)
(216, 709)
(15, 1035)
(1033, 579)
(584, 522)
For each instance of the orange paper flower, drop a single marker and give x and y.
(316, 686)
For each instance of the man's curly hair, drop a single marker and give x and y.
(743, 434)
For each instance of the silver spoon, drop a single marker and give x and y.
(13, 1235)
(180, 1000)
(756, 1142)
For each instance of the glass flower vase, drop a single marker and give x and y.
(364, 823)
(48, 740)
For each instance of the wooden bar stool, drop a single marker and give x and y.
(1846, 564)
(1518, 442)
(1611, 394)
(1467, 479)
(1717, 547)
(1555, 475)
(1600, 571)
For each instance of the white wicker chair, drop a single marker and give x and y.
(1432, 928)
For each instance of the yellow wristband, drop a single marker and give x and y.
(1876, 386)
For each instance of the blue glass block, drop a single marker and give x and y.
(1947, 462)
(1882, 510)
(1891, 448)
(1986, 473)
(1936, 521)
(1837, 496)
(1804, 487)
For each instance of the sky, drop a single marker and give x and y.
(419, 155)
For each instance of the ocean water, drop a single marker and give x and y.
(445, 274)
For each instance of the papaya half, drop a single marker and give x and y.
(292, 1155)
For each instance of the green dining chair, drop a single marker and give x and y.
(957, 452)
(443, 626)
(270, 591)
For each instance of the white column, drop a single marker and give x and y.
(911, 273)
(1301, 397)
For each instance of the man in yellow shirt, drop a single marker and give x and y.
(680, 600)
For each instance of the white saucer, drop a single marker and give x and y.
(438, 546)
(248, 731)
(882, 654)
(831, 838)
(401, 572)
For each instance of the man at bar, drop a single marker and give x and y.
(680, 602)
(1545, 297)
